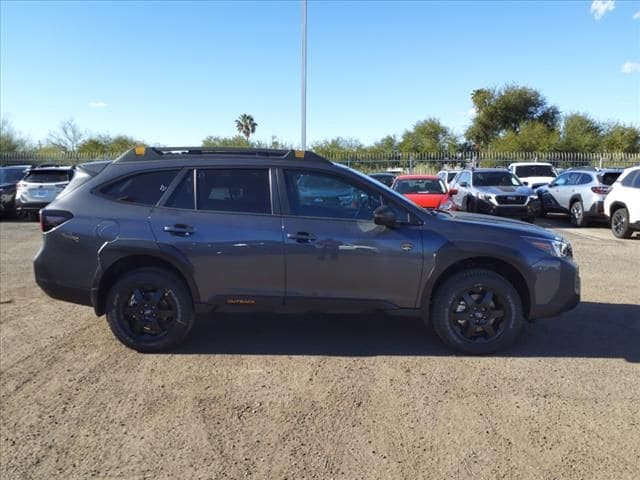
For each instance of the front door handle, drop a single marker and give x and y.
(180, 229)
(301, 237)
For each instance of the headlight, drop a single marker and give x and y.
(533, 197)
(557, 248)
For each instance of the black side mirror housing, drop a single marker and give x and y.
(464, 184)
(384, 216)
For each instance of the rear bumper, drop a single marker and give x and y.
(532, 209)
(23, 206)
(57, 290)
(556, 289)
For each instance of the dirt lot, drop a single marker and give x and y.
(260, 397)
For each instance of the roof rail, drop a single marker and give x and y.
(589, 168)
(140, 153)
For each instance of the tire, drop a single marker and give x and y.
(469, 333)
(469, 205)
(576, 211)
(150, 310)
(620, 223)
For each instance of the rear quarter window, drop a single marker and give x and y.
(142, 188)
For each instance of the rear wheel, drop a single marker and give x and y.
(150, 310)
(578, 218)
(620, 223)
(477, 312)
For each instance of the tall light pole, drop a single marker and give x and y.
(303, 133)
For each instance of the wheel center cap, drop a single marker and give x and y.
(478, 315)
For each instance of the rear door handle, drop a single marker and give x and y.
(180, 229)
(301, 237)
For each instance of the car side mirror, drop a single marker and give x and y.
(384, 216)
(453, 192)
(464, 184)
(525, 183)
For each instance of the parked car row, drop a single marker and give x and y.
(24, 189)
(526, 190)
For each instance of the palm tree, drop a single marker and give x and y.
(246, 125)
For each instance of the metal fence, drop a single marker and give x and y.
(426, 162)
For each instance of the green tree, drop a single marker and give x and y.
(621, 138)
(499, 111)
(10, 140)
(337, 145)
(581, 133)
(428, 136)
(533, 136)
(246, 125)
(237, 141)
(274, 143)
(106, 144)
(386, 144)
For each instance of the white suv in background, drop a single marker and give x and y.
(622, 204)
(534, 174)
(40, 187)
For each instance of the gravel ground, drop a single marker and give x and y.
(316, 397)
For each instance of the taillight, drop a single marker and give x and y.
(600, 190)
(50, 219)
(20, 187)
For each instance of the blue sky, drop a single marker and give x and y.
(175, 72)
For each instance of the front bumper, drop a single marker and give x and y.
(531, 209)
(556, 288)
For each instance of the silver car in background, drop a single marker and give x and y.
(40, 187)
(580, 192)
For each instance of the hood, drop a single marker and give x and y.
(507, 190)
(427, 200)
(8, 185)
(512, 226)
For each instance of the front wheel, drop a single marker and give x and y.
(150, 310)
(477, 312)
(620, 223)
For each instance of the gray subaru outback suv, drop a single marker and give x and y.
(161, 234)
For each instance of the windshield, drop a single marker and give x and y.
(495, 179)
(47, 176)
(11, 175)
(420, 185)
(535, 171)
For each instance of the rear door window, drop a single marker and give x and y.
(234, 190)
(143, 188)
(184, 194)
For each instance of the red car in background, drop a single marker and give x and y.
(426, 191)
